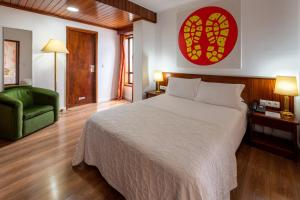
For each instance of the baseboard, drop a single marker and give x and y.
(127, 99)
(106, 99)
(62, 109)
(100, 100)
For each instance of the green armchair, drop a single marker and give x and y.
(26, 109)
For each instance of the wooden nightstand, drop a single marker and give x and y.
(154, 93)
(282, 147)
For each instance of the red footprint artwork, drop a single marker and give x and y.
(208, 36)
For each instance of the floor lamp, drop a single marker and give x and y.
(55, 46)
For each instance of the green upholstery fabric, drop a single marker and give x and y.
(46, 97)
(37, 123)
(36, 110)
(11, 114)
(25, 109)
(22, 93)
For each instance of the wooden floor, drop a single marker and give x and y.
(39, 167)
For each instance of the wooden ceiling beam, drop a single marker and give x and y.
(133, 8)
(125, 30)
(55, 15)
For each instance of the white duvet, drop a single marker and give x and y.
(165, 148)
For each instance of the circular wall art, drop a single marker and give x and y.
(208, 35)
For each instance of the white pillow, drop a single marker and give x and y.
(221, 94)
(185, 88)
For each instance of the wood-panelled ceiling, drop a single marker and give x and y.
(113, 14)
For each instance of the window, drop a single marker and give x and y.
(129, 60)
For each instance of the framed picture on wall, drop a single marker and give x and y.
(209, 35)
(11, 62)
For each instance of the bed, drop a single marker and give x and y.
(165, 148)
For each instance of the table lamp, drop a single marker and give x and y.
(55, 46)
(158, 77)
(287, 86)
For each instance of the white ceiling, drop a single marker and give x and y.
(160, 5)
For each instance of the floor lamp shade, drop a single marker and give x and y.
(55, 46)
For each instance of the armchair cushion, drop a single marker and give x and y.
(36, 110)
(38, 122)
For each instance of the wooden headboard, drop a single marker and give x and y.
(255, 88)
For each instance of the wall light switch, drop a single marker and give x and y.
(263, 102)
(269, 103)
(272, 104)
(162, 87)
(275, 104)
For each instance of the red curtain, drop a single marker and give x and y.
(122, 68)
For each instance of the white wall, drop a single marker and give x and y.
(269, 38)
(127, 93)
(138, 60)
(45, 27)
(145, 57)
(270, 42)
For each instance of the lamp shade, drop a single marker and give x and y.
(158, 76)
(286, 85)
(55, 46)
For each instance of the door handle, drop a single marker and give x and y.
(92, 68)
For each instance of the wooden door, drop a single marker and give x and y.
(81, 67)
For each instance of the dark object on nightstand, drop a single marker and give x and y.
(154, 93)
(282, 147)
(258, 108)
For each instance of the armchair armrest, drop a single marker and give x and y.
(46, 97)
(11, 122)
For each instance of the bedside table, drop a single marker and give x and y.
(282, 147)
(154, 93)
